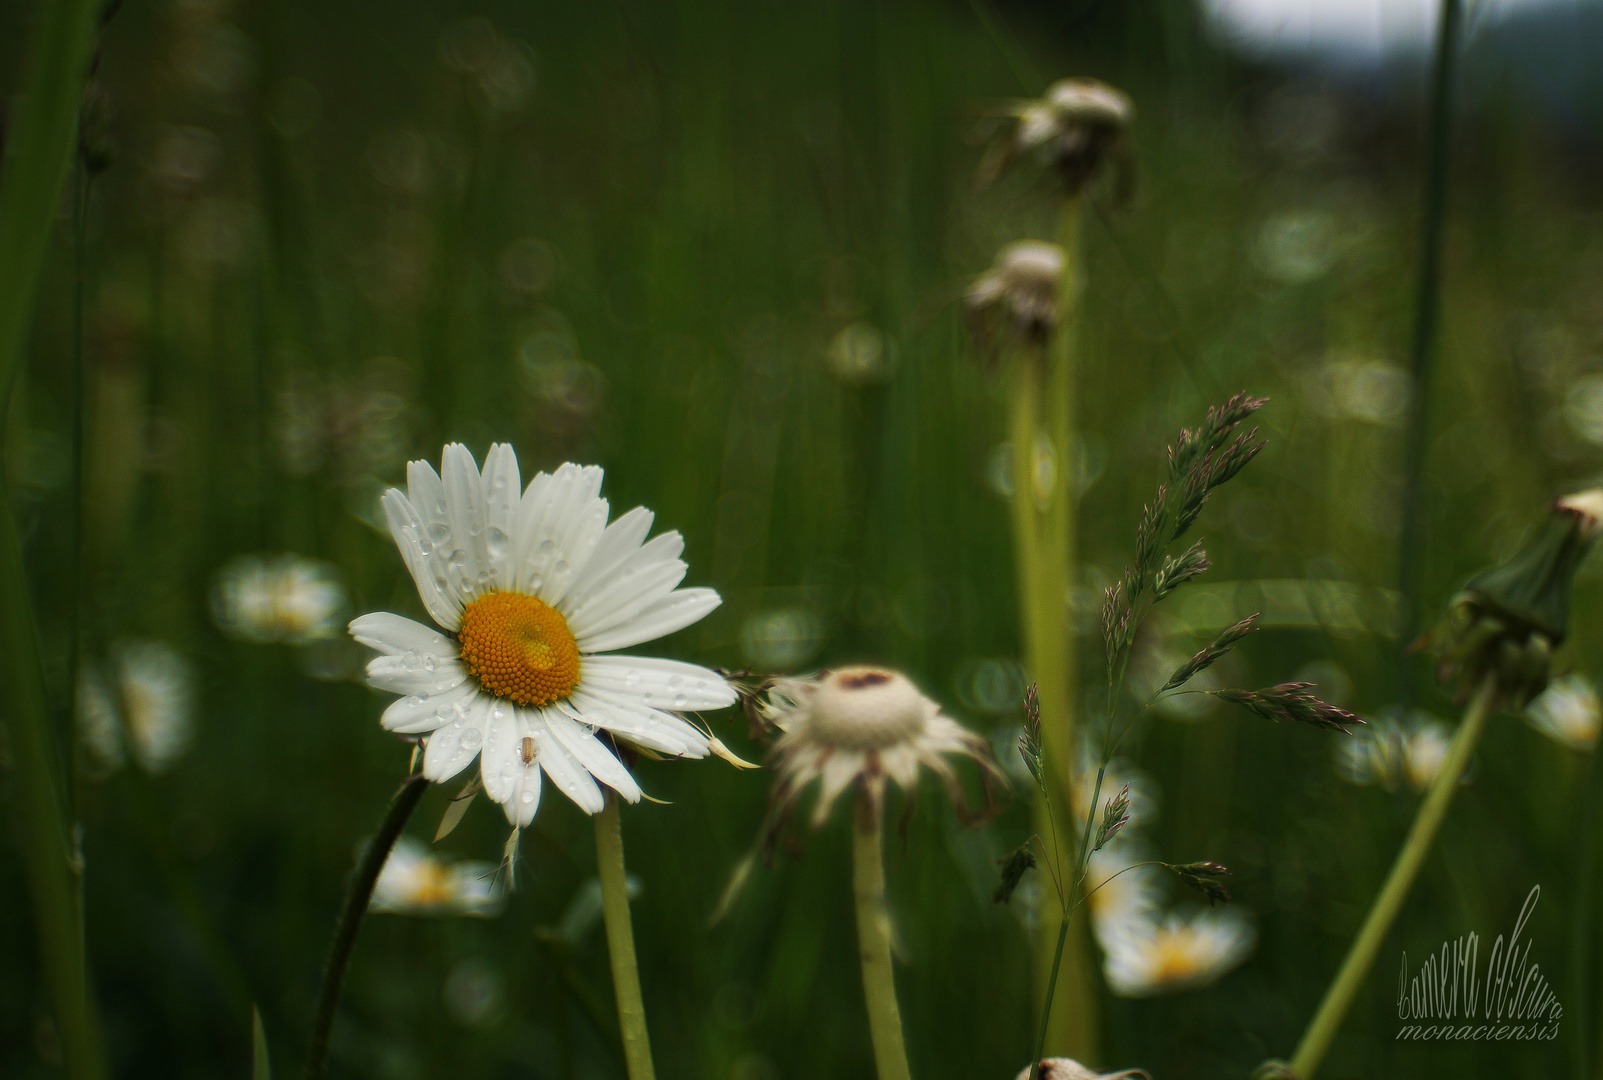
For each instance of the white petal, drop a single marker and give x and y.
(416, 714)
(414, 674)
(565, 505)
(652, 729)
(468, 556)
(673, 612)
(525, 797)
(662, 684)
(620, 540)
(427, 493)
(503, 742)
(600, 761)
(565, 772)
(411, 536)
(448, 753)
(644, 578)
(394, 634)
(502, 494)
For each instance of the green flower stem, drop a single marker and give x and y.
(356, 902)
(874, 946)
(1361, 955)
(39, 153)
(1042, 403)
(621, 942)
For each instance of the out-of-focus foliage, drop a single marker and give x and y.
(720, 249)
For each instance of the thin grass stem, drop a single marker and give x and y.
(621, 942)
(1361, 955)
(350, 921)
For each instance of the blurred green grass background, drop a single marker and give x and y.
(715, 248)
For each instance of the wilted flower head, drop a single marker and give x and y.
(415, 881)
(860, 725)
(1148, 958)
(1016, 301)
(1069, 1069)
(278, 598)
(148, 704)
(1568, 712)
(1389, 752)
(1075, 127)
(1505, 623)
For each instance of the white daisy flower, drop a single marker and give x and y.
(532, 590)
(1120, 889)
(862, 724)
(1148, 958)
(1568, 712)
(415, 881)
(1389, 753)
(278, 598)
(148, 704)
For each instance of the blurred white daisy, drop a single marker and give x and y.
(1389, 753)
(533, 587)
(1148, 958)
(415, 881)
(278, 598)
(1568, 712)
(1120, 888)
(862, 725)
(148, 706)
(1143, 789)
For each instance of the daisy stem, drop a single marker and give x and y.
(38, 156)
(356, 902)
(1361, 955)
(621, 942)
(874, 946)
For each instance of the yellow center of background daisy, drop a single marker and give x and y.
(519, 648)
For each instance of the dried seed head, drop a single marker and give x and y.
(1015, 302)
(1291, 701)
(860, 726)
(1204, 877)
(1076, 127)
(1015, 864)
(1505, 622)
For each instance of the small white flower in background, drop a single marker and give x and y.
(1568, 712)
(1389, 753)
(1016, 300)
(148, 706)
(1143, 790)
(1069, 1069)
(1146, 957)
(415, 881)
(278, 598)
(1120, 888)
(1074, 127)
(533, 588)
(862, 725)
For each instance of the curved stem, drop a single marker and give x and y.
(356, 901)
(621, 942)
(874, 946)
(1361, 955)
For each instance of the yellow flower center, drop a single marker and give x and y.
(519, 648)
(1177, 957)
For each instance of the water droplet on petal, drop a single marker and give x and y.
(562, 566)
(439, 532)
(528, 796)
(471, 739)
(547, 548)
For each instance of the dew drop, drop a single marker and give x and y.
(548, 548)
(632, 678)
(471, 739)
(411, 661)
(535, 582)
(680, 701)
(443, 585)
(528, 796)
(562, 566)
(496, 538)
(676, 680)
(439, 532)
(458, 557)
(411, 702)
(428, 663)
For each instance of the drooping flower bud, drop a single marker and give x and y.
(1076, 126)
(1505, 623)
(1015, 302)
(1069, 1069)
